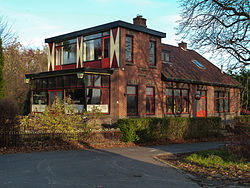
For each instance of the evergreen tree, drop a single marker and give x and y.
(1, 71)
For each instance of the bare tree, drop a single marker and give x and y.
(6, 33)
(218, 26)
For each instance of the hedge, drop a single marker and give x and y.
(242, 120)
(173, 128)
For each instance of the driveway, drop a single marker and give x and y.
(132, 167)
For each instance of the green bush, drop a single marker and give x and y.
(157, 129)
(60, 118)
(242, 120)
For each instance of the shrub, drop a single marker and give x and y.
(8, 117)
(173, 128)
(60, 118)
(242, 120)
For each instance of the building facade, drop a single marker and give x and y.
(125, 71)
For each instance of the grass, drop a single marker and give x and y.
(223, 158)
(228, 164)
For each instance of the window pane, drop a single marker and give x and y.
(73, 80)
(106, 33)
(69, 52)
(51, 98)
(184, 93)
(58, 56)
(167, 57)
(40, 98)
(203, 102)
(198, 105)
(97, 80)
(169, 92)
(59, 95)
(131, 90)
(39, 84)
(150, 108)
(226, 105)
(90, 50)
(163, 56)
(98, 49)
(152, 53)
(89, 80)
(67, 81)
(169, 104)
(45, 82)
(128, 48)
(98, 35)
(150, 91)
(93, 96)
(59, 82)
(221, 105)
(52, 83)
(105, 81)
(177, 105)
(177, 92)
(131, 104)
(76, 95)
(106, 48)
(185, 104)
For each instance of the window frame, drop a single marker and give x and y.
(154, 58)
(151, 97)
(180, 103)
(131, 37)
(136, 99)
(223, 98)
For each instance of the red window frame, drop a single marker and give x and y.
(105, 93)
(105, 61)
(177, 101)
(136, 100)
(58, 67)
(131, 38)
(151, 98)
(154, 59)
(217, 99)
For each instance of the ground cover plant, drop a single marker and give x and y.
(229, 164)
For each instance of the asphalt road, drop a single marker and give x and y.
(132, 167)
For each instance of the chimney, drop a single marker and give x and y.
(183, 46)
(139, 20)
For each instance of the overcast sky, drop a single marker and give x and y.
(35, 20)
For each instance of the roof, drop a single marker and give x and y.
(68, 72)
(184, 69)
(105, 27)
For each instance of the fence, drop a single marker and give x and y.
(38, 139)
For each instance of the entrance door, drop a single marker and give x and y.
(201, 105)
(53, 94)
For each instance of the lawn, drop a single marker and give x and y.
(229, 164)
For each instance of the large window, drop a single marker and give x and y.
(221, 103)
(132, 103)
(40, 97)
(69, 51)
(97, 89)
(129, 49)
(152, 53)
(96, 46)
(177, 101)
(150, 100)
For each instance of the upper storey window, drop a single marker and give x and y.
(129, 49)
(152, 54)
(96, 46)
(165, 57)
(69, 51)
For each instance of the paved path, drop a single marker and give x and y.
(131, 167)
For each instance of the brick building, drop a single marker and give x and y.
(126, 71)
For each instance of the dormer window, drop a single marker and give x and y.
(165, 57)
(198, 64)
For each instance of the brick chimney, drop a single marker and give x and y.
(139, 20)
(183, 45)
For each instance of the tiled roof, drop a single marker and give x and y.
(183, 68)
